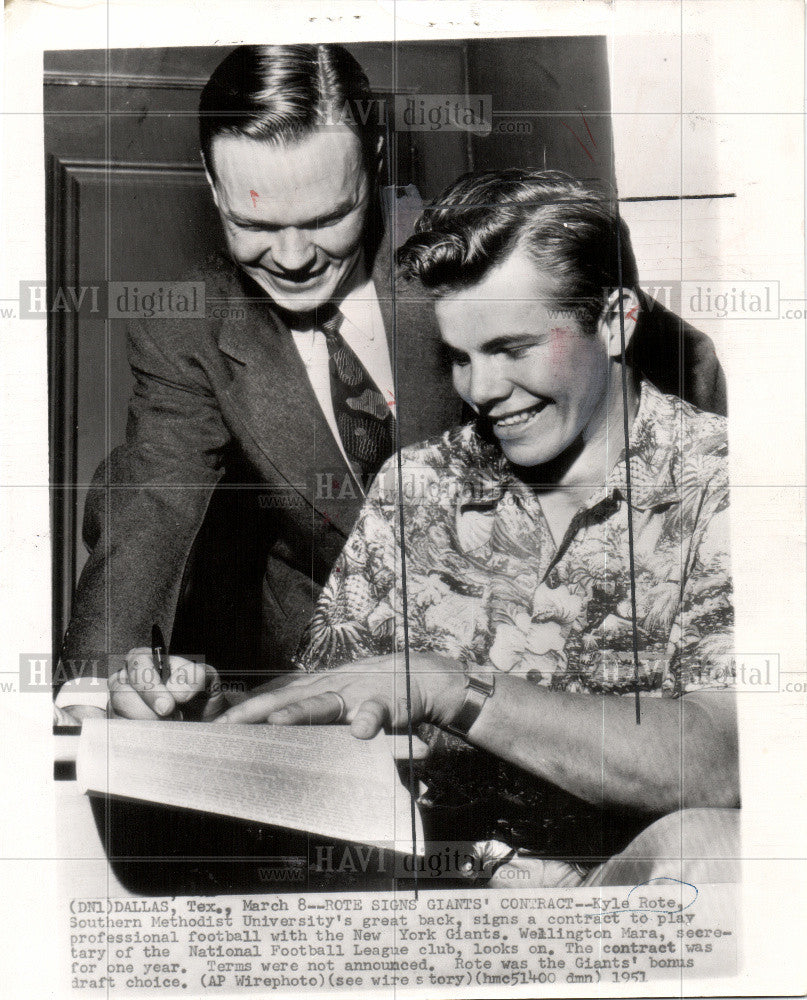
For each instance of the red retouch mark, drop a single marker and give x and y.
(585, 150)
(588, 129)
(632, 314)
(582, 144)
(557, 346)
(254, 196)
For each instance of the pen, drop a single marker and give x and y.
(158, 654)
(161, 664)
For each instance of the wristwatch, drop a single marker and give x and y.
(477, 692)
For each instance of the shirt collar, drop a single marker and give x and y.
(653, 453)
(360, 306)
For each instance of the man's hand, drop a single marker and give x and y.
(136, 691)
(373, 692)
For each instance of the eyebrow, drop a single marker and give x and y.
(341, 210)
(505, 341)
(509, 339)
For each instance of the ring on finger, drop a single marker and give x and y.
(342, 706)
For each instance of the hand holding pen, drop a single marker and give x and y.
(154, 685)
(159, 657)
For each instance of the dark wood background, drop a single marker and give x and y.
(127, 197)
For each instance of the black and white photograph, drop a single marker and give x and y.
(420, 498)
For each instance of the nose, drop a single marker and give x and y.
(291, 250)
(481, 382)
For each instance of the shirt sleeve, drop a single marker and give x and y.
(147, 500)
(90, 691)
(702, 638)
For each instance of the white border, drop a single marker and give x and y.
(738, 89)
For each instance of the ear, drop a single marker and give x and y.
(621, 312)
(210, 181)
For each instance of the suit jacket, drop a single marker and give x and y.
(677, 358)
(221, 515)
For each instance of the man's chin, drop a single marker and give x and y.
(303, 301)
(298, 304)
(527, 455)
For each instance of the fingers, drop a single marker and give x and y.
(188, 679)
(318, 710)
(236, 695)
(369, 719)
(369, 696)
(217, 700)
(295, 709)
(258, 707)
(127, 702)
(137, 692)
(400, 747)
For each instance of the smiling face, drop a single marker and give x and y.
(294, 213)
(541, 380)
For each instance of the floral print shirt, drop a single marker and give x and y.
(486, 583)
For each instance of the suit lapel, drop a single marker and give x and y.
(271, 397)
(426, 404)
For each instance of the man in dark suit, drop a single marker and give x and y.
(288, 408)
(247, 401)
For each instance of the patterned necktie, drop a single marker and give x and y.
(364, 420)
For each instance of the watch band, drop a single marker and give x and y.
(477, 692)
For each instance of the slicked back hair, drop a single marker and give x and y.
(281, 93)
(570, 228)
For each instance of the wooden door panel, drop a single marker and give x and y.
(122, 222)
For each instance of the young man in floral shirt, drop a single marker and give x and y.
(537, 557)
